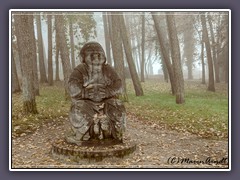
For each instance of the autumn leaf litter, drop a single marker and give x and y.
(155, 145)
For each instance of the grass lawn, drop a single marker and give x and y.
(51, 105)
(204, 113)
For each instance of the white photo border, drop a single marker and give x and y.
(118, 169)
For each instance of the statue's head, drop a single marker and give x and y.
(92, 53)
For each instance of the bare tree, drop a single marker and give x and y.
(57, 78)
(71, 41)
(134, 38)
(118, 51)
(200, 36)
(165, 71)
(43, 77)
(143, 48)
(226, 48)
(223, 47)
(203, 63)
(18, 46)
(164, 51)
(176, 58)
(50, 67)
(214, 53)
(57, 52)
(189, 44)
(109, 21)
(62, 43)
(15, 82)
(148, 63)
(127, 47)
(107, 38)
(34, 51)
(211, 86)
(24, 25)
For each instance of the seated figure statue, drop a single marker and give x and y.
(96, 112)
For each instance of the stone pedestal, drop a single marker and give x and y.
(92, 151)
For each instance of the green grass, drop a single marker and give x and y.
(204, 113)
(51, 105)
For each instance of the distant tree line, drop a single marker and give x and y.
(134, 41)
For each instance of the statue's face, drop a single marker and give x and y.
(93, 57)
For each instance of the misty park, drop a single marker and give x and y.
(174, 74)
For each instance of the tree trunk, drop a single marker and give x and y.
(143, 48)
(226, 64)
(35, 68)
(214, 53)
(118, 52)
(72, 42)
(107, 38)
(57, 64)
(24, 25)
(18, 49)
(162, 63)
(57, 78)
(15, 82)
(43, 77)
(135, 54)
(165, 71)
(138, 46)
(127, 47)
(211, 86)
(226, 49)
(176, 58)
(62, 43)
(109, 22)
(150, 65)
(134, 43)
(50, 67)
(18, 66)
(219, 57)
(45, 58)
(223, 48)
(188, 36)
(164, 52)
(203, 63)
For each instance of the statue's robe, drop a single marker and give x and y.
(100, 114)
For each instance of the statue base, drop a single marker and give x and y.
(92, 151)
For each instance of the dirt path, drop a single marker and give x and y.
(157, 147)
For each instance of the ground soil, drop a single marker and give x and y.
(157, 147)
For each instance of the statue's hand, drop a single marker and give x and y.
(102, 92)
(96, 92)
(89, 91)
(89, 86)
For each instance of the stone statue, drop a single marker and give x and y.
(96, 113)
